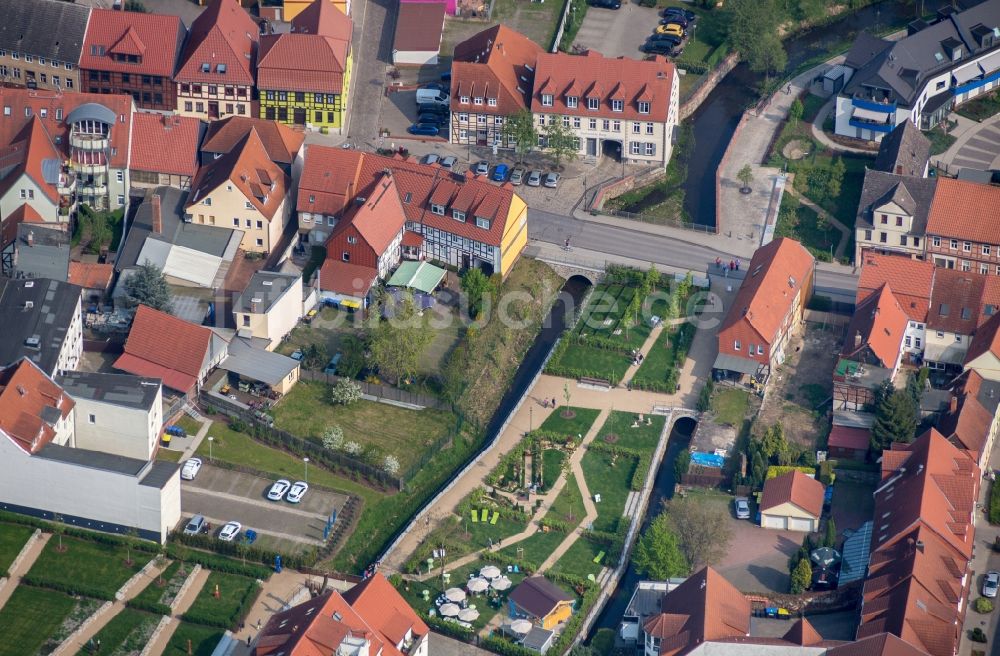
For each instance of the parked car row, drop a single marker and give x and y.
(669, 36)
(291, 492)
(198, 524)
(433, 102)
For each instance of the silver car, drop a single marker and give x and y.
(551, 180)
(535, 179)
(990, 584)
(482, 167)
(230, 531)
(742, 508)
(517, 176)
(430, 158)
(448, 162)
(298, 490)
(278, 490)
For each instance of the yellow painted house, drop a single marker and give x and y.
(303, 76)
(292, 8)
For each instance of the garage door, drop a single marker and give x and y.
(774, 521)
(799, 524)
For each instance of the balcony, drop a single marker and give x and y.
(89, 142)
(90, 169)
(92, 188)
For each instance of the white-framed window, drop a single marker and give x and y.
(249, 205)
(463, 133)
(541, 119)
(593, 124)
(463, 118)
(966, 265)
(935, 241)
(593, 103)
(482, 223)
(616, 126)
(92, 419)
(236, 223)
(643, 107)
(617, 105)
(437, 209)
(481, 119)
(120, 176)
(351, 239)
(463, 100)
(649, 128)
(576, 122)
(967, 246)
(345, 256)
(650, 148)
(760, 349)
(546, 100)
(477, 100)
(986, 249)
(636, 127)
(248, 222)
(571, 102)
(492, 102)
(984, 269)
(458, 215)
(736, 345)
(121, 201)
(565, 121)
(260, 225)
(606, 125)
(260, 242)
(634, 147)
(498, 120)
(954, 244)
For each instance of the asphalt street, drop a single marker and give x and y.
(835, 281)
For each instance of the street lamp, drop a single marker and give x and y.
(306, 461)
(210, 440)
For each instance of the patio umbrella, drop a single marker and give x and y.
(825, 556)
(449, 610)
(454, 594)
(520, 626)
(468, 615)
(489, 572)
(477, 585)
(501, 583)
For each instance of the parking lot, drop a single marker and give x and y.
(617, 32)
(223, 495)
(398, 113)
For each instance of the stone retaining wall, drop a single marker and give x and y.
(164, 623)
(66, 646)
(712, 79)
(188, 582)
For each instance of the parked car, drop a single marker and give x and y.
(430, 158)
(990, 584)
(278, 490)
(664, 38)
(535, 179)
(672, 29)
(433, 96)
(449, 162)
(331, 367)
(195, 526)
(432, 119)
(517, 176)
(551, 180)
(659, 48)
(500, 172)
(432, 108)
(606, 4)
(436, 86)
(675, 18)
(446, 76)
(423, 129)
(742, 508)
(230, 531)
(297, 491)
(482, 167)
(297, 355)
(190, 469)
(680, 11)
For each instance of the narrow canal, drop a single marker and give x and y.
(715, 120)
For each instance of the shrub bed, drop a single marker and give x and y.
(236, 596)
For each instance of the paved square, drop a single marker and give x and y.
(616, 33)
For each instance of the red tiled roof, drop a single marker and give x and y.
(282, 66)
(969, 426)
(331, 177)
(346, 278)
(419, 26)
(412, 239)
(61, 105)
(847, 437)
(379, 219)
(250, 170)
(796, 488)
(495, 63)
(25, 393)
(878, 325)
(24, 213)
(775, 275)
(223, 34)
(160, 345)
(911, 281)
(165, 144)
(384, 609)
(594, 75)
(955, 301)
(323, 18)
(882, 644)
(24, 155)
(803, 633)
(155, 38)
(965, 210)
(986, 339)
(91, 275)
(281, 142)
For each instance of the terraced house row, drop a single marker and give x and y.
(223, 66)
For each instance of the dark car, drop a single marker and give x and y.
(606, 4)
(679, 11)
(437, 86)
(664, 39)
(434, 119)
(675, 18)
(658, 48)
(432, 108)
(424, 129)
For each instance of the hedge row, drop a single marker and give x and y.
(693, 67)
(150, 606)
(994, 514)
(450, 629)
(641, 470)
(72, 589)
(556, 524)
(84, 534)
(216, 562)
(499, 645)
(233, 619)
(503, 559)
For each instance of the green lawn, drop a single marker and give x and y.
(940, 140)
(473, 536)
(233, 589)
(645, 437)
(595, 362)
(169, 455)
(578, 424)
(981, 108)
(190, 426)
(552, 463)
(130, 629)
(612, 482)
(306, 411)
(12, 539)
(172, 577)
(730, 406)
(659, 362)
(568, 506)
(202, 640)
(96, 568)
(536, 548)
(799, 222)
(579, 559)
(29, 617)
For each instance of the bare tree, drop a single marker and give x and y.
(703, 530)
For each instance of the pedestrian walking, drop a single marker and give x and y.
(738, 264)
(732, 265)
(718, 262)
(553, 401)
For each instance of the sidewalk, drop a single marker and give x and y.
(183, 604)
(821, 136)
(965, 131)
(984, 559)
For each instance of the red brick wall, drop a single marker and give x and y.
(360, 252)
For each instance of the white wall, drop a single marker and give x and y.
(415, 57)
(12, 200)
(122, 430)
(72, 346)
(97, 496)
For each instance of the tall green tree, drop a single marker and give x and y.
(560, 142)
(657, 554)
(896, 420)
(767, 56)
(837, 172)
(148, 286)
(773, 442)
(398, 342)
(830, 536)
(520, 127)
(703, 531)
(476, 286)
(801, 577)
(749, 21)
(796, 111)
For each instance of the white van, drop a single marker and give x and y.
(432, 96)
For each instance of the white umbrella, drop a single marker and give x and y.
(489, 572)
(477, 585)
(520, 626)
(468, 615)
(454, 594)
(501, 583)
(449, 610)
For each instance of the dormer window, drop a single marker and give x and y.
(546, 100)
(571, 102)
(208, 201)
(464, 100)
(437, 209)
(477, 101)
(206, 67)
(458, 215)
(482, 222)
(492, 102)
(593, 103)
(643, 107)
(617, 105)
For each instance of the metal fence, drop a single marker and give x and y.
(631, 216)
(379, 391)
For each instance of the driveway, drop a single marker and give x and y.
(617, 32)
(980, 151)
(223, 495)
(758, 557)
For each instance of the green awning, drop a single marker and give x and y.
(421, 276)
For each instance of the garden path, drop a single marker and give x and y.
(845, 232)
(183, 604)
(821, 136)
(77, 641)
(22, 568)
(646, 347)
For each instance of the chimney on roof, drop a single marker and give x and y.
(157, 214)
(953, 405)
(857, 340)
(920, 546)
(31, 238)
(21, 390)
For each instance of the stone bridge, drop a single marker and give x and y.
(593, 272)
